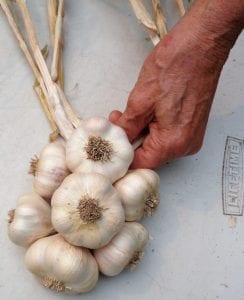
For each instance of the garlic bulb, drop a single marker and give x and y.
(87, 210)
(125, 249)
(139, 192)
(99, 146)
(49, 170)
(30, 220)
(62, 267)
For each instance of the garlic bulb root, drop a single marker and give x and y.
(151, 203)
(53, 284)
(87, 210)
(33, 165)
(137, 257)
(30, 220)
(101, 147)
(125, 249)
(139, 192)
(62, 267)
(11, 215)
(98, 149)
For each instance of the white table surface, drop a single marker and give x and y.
(194, 253)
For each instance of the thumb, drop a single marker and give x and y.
(114, 116)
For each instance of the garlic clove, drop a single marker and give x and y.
(125, 249)
(139, 192)
(30, 220)
(62, 267)
(101, 147)
(87, 210)
(50, 169)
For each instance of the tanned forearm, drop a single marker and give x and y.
(216, 21)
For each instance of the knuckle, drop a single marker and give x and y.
(182, 144)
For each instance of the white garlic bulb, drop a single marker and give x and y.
(62, 267)
(139, 192)
(49, 170)
(30, 220)
(125, 249)
(87, 210)
(101, 147)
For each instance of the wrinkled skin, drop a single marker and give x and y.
(175, 89)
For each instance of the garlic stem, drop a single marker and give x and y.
(52, 15)
(144, 17)
(61, 69)
(160, 18)
(54, 135)
(41, 90)
(20, 39)
(57, 41)
(60, 61)
(181, 7)
(55, 132)
(138, 141)
(71, 114)
(57, 110)
(55, 22)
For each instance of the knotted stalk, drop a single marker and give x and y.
(55, 16)
(39, 85)
(61, 119)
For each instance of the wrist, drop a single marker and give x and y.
(212, 27)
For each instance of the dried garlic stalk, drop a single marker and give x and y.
(55, 14)
(181, 7)
(57, 45)
(160, 18)
(144, 17)
(60, 116)
(52, 15)
(39, 85)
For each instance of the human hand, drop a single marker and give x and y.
(174, 92)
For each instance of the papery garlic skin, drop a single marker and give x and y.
(30, 220)
(50, 169)
(61, 266)
(101, 147)
(87, 210)
(140, 193)
(125, 249)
